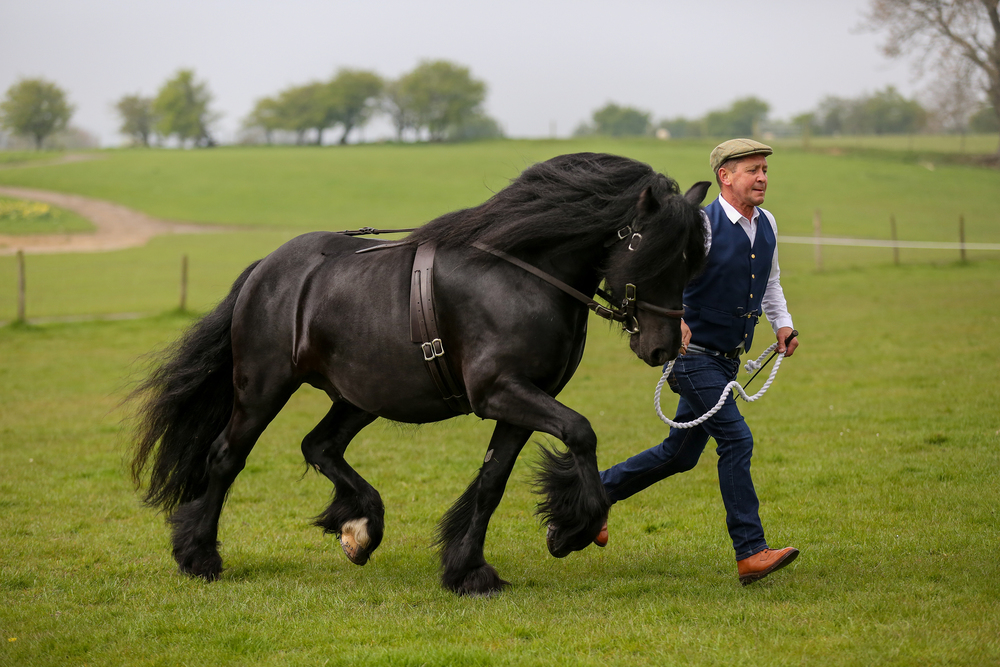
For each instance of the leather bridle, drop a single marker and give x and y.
(624, 313)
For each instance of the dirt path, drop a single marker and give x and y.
(117, 226)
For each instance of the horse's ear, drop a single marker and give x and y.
(648, 204)
(696, 195)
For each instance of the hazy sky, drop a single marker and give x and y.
(548, 64)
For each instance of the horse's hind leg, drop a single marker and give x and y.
(462, 533)
(356, 513)
(196, 523)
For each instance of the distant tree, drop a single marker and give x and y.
(884, 112)
(806, 123)
(441, 96)
(355, 97)
(477, 127)
(985, 120)
(323, 107)
(741, 119)
(138, 119)
(181, 106)
(266, 116)
(35, 108)
(682, 128)
(953, 101)
(888, 112)
(943, 32)
(397, 101)
(617, 121)
(304, 108)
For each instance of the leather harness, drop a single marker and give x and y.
(423, 319)
(424, 330)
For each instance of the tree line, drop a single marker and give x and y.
(882, 112)
(438, 101)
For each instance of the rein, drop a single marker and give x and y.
(624, 314)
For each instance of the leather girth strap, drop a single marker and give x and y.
(424, 330)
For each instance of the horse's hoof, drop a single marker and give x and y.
(207, 567)
(354, 552)
(484, 581)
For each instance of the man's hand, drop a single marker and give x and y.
(783, 333)
(685, 337)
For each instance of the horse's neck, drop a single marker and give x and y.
(579, 268)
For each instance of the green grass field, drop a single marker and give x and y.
(285, 191)
(876, 450)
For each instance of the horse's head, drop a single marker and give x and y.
(666, 249)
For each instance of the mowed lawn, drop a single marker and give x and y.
(877, 454)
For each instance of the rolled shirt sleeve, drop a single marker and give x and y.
(773, 303)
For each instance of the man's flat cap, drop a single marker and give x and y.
(735, 149)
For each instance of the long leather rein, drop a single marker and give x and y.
(624, 314)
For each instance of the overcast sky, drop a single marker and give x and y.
(548, 63)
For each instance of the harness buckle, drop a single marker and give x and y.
(629, 292)
(433, 349)
(634, 243)
(623, 232)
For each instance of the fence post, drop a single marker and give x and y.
(21, 288)
(818, 232)
(961, 235)
(895, 244)
(184, 282)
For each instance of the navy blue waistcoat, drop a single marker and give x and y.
(721, 306)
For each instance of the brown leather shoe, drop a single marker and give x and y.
(602, 537)
(764, 563)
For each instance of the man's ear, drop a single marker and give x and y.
(696, 194)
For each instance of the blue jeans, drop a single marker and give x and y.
(700, 379)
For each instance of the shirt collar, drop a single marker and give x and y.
(734, 215)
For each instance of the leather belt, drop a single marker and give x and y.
(424, 329)
(698, 349)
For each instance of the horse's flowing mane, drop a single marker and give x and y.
(572, 202)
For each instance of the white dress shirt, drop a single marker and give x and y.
(773, 303)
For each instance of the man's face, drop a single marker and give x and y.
(747, 181)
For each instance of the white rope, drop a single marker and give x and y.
(750, 367)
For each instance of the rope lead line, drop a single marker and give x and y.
(749, 367)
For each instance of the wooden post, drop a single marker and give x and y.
(184, 282)
(21, 288)
(895, 245)
(961, 235)
(818, 232)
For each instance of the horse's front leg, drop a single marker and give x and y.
(575, 503)
(462, 532)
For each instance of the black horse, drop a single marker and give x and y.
(318, 311)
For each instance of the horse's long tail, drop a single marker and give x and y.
(183, 406)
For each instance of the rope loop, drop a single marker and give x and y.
(750, 367)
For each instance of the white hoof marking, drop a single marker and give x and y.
(356, 531)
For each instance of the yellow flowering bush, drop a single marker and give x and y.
(19, 209)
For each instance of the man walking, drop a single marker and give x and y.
(721, 307)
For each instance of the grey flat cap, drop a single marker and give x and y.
(736, 148)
